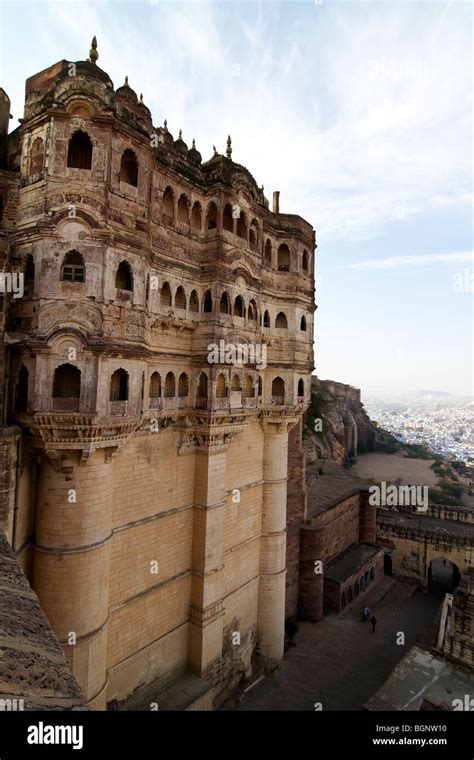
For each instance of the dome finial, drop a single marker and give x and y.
(125, 84)
(229, 147)
(141, 97)
(194, 143)
(180, 134)
(93, 54)
(166, 125)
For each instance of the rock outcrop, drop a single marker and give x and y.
(337, 425)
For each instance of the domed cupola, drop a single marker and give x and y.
(144, 109)
(126, 93)
(165, 138)
(194, 154)
(180, 146)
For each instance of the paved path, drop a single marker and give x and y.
(339, 661)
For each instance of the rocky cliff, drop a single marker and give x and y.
(337, 425)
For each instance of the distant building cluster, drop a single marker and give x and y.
(446, 429)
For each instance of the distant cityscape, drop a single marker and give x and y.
(442, 421)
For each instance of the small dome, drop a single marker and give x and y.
(180, 146)
(125, 92)
(164, 137)
(194, 154)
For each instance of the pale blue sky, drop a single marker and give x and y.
(360, 113)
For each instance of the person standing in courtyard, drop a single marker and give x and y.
(373, 620)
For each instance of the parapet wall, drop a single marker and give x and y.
(34, 674)
(339, 390)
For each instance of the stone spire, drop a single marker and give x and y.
(93, 54)
(229, 147)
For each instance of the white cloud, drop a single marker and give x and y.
(395, 262)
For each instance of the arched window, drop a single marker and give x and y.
(183, 385)
(252, 313)
(180, 298)
(196, 216)
(227, 219)
(372, 574)
(236, 385)
(66, 387)
(119, 385)
(129, 168)
(37, 156)
(211, 216)
(253, 234)
(224, 305)
(260, 386)
(165, 295)
(356, 589)
(268, 252)
(170, 385)
(266, 319)
(21, 391)
(281, 321)
(183, 209)
(155, 385)
(239, 307)
(283, 258)
(305, 261)
(123, 278)
(221, 391)
(242, 226)
(343, 599)
(202, 386)
(349, 595)
(278, 391)
(207, 302)
(29, 275)
(248, 387)
(193, 302)
(300, 388)
(73, 269)
(79, 154)
(168, 203)
(303, 324)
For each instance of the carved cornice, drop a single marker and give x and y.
(212, 432)
(283, 417)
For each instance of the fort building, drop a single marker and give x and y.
(144, 487)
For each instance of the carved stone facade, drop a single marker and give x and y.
(148, 498)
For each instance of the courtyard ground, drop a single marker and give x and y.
(389, 467)
(339, 662)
